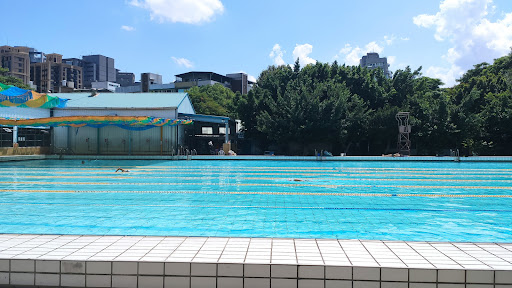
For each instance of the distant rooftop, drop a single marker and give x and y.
(124, 100)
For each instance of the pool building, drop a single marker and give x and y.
(107, 136)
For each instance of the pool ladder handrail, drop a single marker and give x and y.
(319, 157)
(457, 156)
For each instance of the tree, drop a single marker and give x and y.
(214, 100)
(7, 79)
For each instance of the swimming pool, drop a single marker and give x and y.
(412, 201)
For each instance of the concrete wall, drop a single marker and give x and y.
(6, 151)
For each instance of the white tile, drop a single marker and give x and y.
(177, 282)
(178, 269)
(151, 281)
(256, 282)
(338, 284)
(198, 269)
(479, 276)
(366, 284)
(283, 283)
(22, 265)
(97, 267)
(22, 279)
(47, 266)
(72, 280)
(422, 285)
(283, 271)
(228, 282)
(75, 267)
(151, 268)
(338, 272)
(124, 281)
(4, 278)
(203, 282)
(445, 285)
(310, 283)
(364, 273)
(394, 285)
(256, 270)
(98, 280)
(451, 276)
(311, 272)
(124, 268)
(231, 270)
(47, 279)
(394, 274)
(422, 275)
(503, 277)
(479, 286)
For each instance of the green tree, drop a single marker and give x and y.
(214, 100)
(7, 79)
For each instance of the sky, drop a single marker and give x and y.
(169, 37)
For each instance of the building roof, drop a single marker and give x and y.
(124, 100)
(198, 72)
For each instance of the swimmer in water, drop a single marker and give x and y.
(122, 170)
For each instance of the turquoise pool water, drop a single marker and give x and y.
(300, 199)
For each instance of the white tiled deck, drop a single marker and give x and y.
(144, 261)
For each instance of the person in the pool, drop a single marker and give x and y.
(122, 170)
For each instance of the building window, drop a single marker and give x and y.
(222, 130)
(207, 130)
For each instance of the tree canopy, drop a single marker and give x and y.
(352, 109)
(6, 79)
(295, 110)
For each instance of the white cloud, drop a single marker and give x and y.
(302, 51)
(374, 47)
(184, 11)
(346, 49)
(474, 38)
(277, 55)
(127, 28)
(391, 60)
(389, 39)
(404, 38)
(183, 62)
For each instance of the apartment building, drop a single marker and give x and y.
(53, 75)
(17, 60)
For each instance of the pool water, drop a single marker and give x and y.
(412, 201)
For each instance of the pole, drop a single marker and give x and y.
(226, 137)
(161, 139)
(15, 136)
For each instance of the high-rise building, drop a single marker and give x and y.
(148, 79)
(98, 68)
(52, 74)
(373, 61)
(17, 60)
(125, 79)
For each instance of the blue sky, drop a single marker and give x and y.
(228, 36)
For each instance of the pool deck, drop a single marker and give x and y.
(148, 261)
(260, 157)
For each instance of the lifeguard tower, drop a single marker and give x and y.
(404, 129)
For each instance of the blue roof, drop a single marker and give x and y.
(124, 100)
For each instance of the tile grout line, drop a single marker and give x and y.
(424, 258)
(493, 253)
(384, 242)
(470, 255)
(346, 255)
